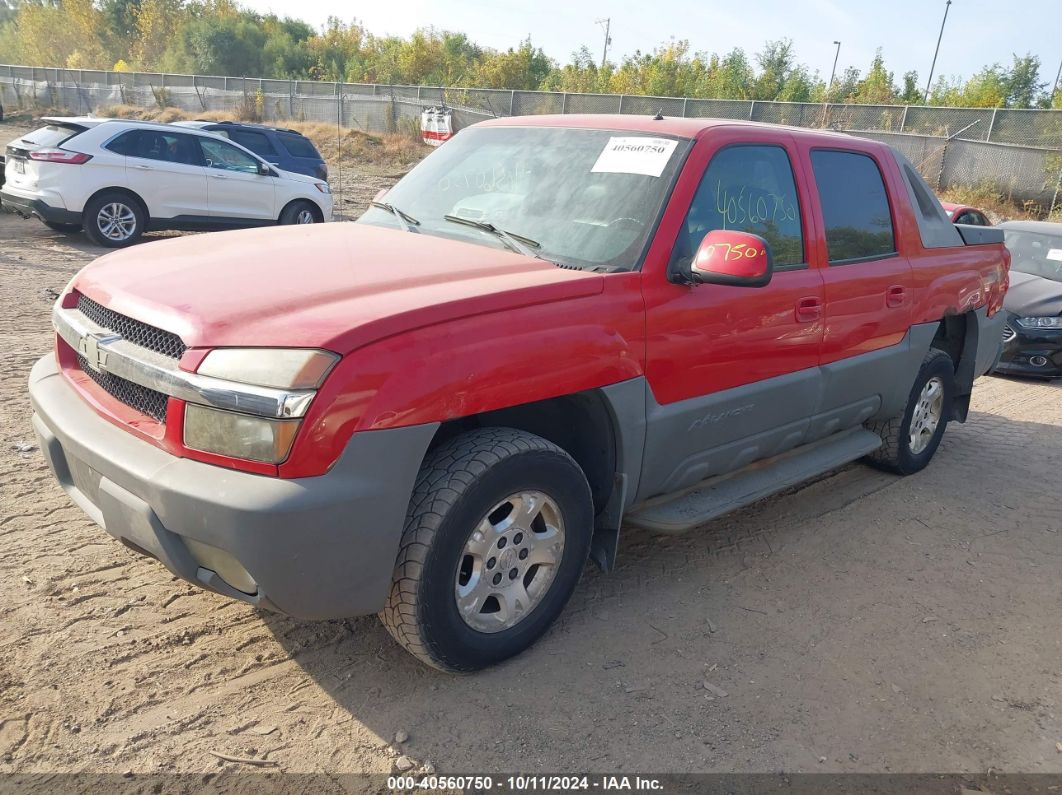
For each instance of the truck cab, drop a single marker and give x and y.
(553, 327)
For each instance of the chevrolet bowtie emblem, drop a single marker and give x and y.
(89, 347)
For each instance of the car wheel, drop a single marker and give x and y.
(113, 220)
(67, 228)
(299, 213)
(909, 440)
(496, 536)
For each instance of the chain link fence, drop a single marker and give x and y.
(1017, 153)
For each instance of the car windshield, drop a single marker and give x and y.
(587, 198)
(1036, 253)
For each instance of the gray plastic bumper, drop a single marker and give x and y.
(321, 547)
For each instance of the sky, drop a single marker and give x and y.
(978, 32)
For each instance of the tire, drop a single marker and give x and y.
(300, 212)
(900, 452)
(463, 494)
(67, 228)
(128, 217)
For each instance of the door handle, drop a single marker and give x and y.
(809, 309)
(895, 296)
(145, 167)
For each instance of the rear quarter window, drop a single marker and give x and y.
(52, 135)
(298, 145)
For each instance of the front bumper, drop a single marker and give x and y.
(316, 548)
(1020, 354)
(36, 208)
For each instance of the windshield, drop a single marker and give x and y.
(588, 198)
(1036, 253)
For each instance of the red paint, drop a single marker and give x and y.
(433, 329)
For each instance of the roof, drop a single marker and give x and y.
(95, 121)
(200, 124)
(679, 126)
(1043, 227)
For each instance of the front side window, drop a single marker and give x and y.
(255, 141)
(855, 206)
(585, 198)
(220, 155)
(748, 188)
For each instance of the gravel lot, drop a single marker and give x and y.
(861, 623)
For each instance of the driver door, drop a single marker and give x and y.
(235, 189)
(734, 370)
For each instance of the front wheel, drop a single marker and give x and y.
(301, 212)
(496, 536)
(909, 440)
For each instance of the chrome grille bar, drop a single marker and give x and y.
(108, 352)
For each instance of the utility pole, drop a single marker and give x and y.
(829, 88)
(1058, 78)
(936, 52)
(607, 22)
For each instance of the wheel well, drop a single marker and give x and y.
(580, 424)
(317, 211)
(125, 192)
(951, 337)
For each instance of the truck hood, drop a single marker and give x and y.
(333, 286)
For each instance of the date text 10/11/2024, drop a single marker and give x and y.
(516, 783)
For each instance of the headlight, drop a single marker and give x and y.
(323, 187)
(283, 368)
(1040, 322)
(238, 435)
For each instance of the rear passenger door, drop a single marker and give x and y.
(235, 188)
(165, 170)
(869, 285)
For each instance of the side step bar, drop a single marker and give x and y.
(685, 510)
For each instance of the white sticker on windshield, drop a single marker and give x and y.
(1055, 254)
(635, 155)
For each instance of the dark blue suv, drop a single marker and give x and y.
(285, 149)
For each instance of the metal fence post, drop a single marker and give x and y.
(685, 103)
(991, 125)
(564, 102)
(620, 104)
(752, 109)
(903, 118)
(512, 101)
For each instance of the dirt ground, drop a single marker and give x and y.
(863, 623)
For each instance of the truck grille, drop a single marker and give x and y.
(146, 401)
(154, 339)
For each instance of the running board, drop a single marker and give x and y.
(685, 510)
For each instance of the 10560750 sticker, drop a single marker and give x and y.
(635, 155)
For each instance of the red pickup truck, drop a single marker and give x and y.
(551, 327)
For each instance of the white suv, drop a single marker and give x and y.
(118, 178)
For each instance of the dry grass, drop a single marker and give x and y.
(998, 206)
(386, 151)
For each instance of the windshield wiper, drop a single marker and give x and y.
(408, 221)
(518, 243)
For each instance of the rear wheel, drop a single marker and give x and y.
(67, 228)
(496, 536)
(113, 220)
(910, 439)
(301, 212)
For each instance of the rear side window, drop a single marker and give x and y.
(298, 145)
(749, 188)
(855, 206)
(255, 141)
(157, 145)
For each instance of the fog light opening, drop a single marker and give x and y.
(230, 570)
(1038, 361)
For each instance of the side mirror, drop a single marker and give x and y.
(263, 169)
(736, 259)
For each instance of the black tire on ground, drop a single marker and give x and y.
(67, 228)
(297, 212)
(120, 207)
(460, 485)
(896, 453)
